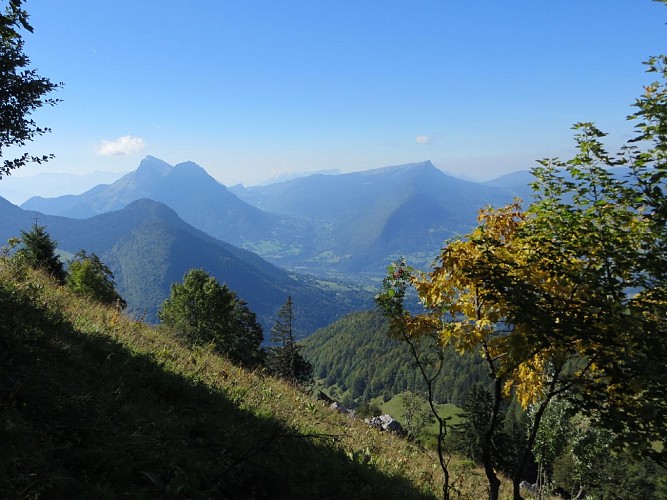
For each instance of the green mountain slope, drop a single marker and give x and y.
(148, 247)
(355, 355)
(94, 405)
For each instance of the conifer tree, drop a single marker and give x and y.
(284, 359)
(39, 251)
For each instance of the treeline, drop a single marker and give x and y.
(356, 355)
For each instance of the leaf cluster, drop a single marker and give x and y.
(22, 90)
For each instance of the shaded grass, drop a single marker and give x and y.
(94, 405)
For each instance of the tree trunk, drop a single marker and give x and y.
(487, 445)
(516, 488)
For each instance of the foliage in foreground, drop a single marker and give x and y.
(22, 90)
(94, 405)
(564, 300)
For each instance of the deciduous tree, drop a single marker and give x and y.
(569, 297)
(87, 275)
(416, 414)
(22, 90)
(203, 311)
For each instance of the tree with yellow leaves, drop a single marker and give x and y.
(566, 298)
(462, 310)
(569, 297)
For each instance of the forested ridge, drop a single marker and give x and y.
(355, 355)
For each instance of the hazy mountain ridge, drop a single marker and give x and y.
(197, 197)
(348, 223)
(368, 218)
(18, 188)
(149, 247)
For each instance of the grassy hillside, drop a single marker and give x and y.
(94, 405)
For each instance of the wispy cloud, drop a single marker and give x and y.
(423, 139)
(122, 146)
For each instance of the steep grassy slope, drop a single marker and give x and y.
(93, 405)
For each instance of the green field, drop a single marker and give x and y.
(394, 407)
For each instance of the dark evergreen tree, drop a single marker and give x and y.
(468, 436)
(284, 359)
(87, 275)
(203, 311)
(39, 251)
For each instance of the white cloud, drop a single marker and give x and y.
(423, 139)
(122, 146)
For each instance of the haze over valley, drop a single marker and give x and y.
(336, 232)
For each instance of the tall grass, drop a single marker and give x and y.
(96, 405)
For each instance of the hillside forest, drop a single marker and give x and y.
(269, 343)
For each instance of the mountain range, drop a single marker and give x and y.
(19, 188)
(148, 247)
(323, 239)
(348, 223)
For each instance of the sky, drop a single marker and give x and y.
(251, 89)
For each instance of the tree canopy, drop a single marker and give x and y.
(22, 90)
(568, 297)
(87, 275)
(204, 311)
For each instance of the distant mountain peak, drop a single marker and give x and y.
(188, 164)
(422, 165)
(152, 166)
(190, 168)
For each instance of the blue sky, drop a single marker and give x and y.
(251, 89)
